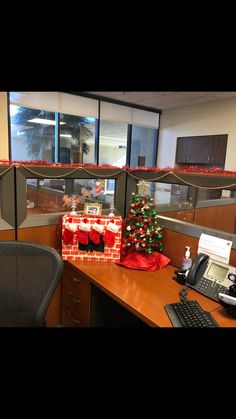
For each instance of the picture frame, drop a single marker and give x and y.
(92, 208)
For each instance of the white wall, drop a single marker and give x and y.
(4, 148)
(204, 119)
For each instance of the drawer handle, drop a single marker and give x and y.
(75, 300)
(76, 279)
(72, 318)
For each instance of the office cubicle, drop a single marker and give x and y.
(40, 193)
(31, 199)
(185, 215)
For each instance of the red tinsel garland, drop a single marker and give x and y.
(184, 169)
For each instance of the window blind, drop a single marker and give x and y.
(145, 118)
(119, 113)
(56, 102)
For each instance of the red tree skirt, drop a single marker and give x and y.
(143, 261)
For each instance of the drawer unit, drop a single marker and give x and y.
(76, 295)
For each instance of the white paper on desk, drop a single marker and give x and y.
(218, 249)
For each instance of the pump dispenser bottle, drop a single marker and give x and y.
(186, 261)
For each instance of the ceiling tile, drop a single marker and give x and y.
(166, 100)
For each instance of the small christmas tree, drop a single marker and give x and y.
(141, 229)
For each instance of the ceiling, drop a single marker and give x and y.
(166, 100)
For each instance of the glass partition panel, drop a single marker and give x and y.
(45, 196)
(212, 208)
(48, 195)
(216, 209)
(101, 191)
(173, 200)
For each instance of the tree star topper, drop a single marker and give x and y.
(142, 187)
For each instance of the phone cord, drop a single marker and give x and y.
(183, 294)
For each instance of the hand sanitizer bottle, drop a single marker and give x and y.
(186, 261)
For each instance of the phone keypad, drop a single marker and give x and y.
(210, 289)
(202, 285)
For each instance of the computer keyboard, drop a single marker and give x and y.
(189, 314)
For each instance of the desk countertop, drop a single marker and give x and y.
(145, 293)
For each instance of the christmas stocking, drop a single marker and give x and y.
(109, 235)
(68, 233)
(83, 232)
(95, 233)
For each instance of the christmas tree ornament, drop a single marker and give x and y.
(142, 187)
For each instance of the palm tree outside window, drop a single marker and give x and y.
(34, 135)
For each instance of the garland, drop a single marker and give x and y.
(184, 169)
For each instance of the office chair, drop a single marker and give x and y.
(29, 275)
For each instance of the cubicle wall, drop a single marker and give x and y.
(177, 235)
(7, 203)
(40, 189)
(176, 196)
(31, 200)
(40, 205)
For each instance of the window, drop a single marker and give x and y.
(77, 138)
(32, 133)
(143, 146)
(34, 127)
(61, 127)
(113, 143)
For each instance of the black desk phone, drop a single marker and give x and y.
(209, 277)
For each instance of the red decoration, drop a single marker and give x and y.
(83, 231)
(184, 169)
(68, 234)
(109, 235)
(99, 187)
(143, 261)
(95, 234)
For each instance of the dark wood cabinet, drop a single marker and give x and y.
(204, 149)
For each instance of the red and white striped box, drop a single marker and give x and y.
(72, 251)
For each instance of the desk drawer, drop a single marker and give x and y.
(75, 299)
(76, 283)
(69, 319)
(78, 305)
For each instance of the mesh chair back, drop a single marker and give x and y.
(29, 275)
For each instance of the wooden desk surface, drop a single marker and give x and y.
(145, 293)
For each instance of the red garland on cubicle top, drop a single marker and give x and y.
(184, 169)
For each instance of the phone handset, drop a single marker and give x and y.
(197, 269)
